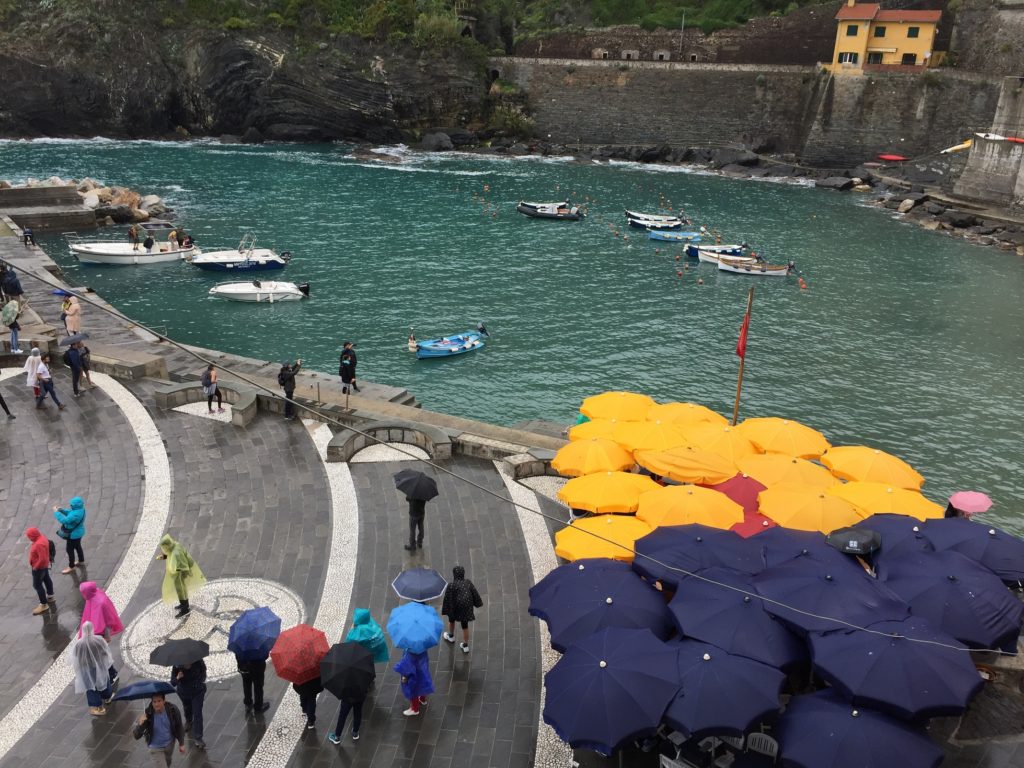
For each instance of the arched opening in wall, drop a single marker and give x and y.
(661, 56)
(494, 74)
(693, 57)
(467, 31)
(604, 55)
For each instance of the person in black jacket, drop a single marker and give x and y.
(460, 598)
(161, 726)
(252, 673)
(349, 361)
(417, 512)
(286, 378)
(190, 683)
(308, 692)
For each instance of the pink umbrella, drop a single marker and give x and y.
(742, 489)
(970, 502)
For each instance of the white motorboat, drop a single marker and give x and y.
(266, 291)
(245, 258)
(757, 269)
(124, 253)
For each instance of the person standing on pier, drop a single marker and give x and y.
(349, 360)
(286, 378)
(183, 577)
(211, 390)
(73, 321)
(72, 530)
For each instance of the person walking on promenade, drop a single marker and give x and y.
(189, 681)
(183, 577)
(15, 329)
(355, 706)
(210, 388)
(416, 680)
(86, 362)
(417, 514)
(3, 404)
(353, 362)
(44, 384)
(31, 366)
(101, 613)
(73, 359)
(368, 634)
(252, 672)
(39, 562)
(73, 321)
(308, 691)
(133, 236)
(91, 662)
(11, 287)
(347, 369)
(460, 598)
(286, 378)
(72, 529)
(161, 726)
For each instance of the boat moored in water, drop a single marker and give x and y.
(564, 210)
(121, 253)
(693, 251)
(709, 257)
(449, 346)
(245, 258)
(758, 268)
(262, 291)
(675, 237)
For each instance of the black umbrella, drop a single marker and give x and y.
(347, 671)
(67, 342)
(144, 689)
(178, 653)
(855, 541)
(416, 485)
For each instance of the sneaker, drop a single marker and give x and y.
(334, 738)
(248, 710)
(464, 647)
(200, 744)
(97, 711)
(61, 407)
(67, 570)
(11, 416)
(410, 712)
(17, 352)
(259, 710)
(108, 700)
(449, 637)
(40, 609)
(220, 410)
(355, 735)
(410, 548)
(310, 724)
(114, 679)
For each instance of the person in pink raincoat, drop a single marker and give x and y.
(100, 611)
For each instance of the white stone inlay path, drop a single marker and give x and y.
(389, 452)
(551, 751)
(137, 558)
(203, 411)
(284, 730)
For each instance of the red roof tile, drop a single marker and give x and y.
(861, 11)
(932, 16)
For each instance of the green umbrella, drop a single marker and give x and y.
(9, 312)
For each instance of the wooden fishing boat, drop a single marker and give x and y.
(674, 237)
(651, 216)
(449, 346)
(650, 224)
(757, 269)
(722, 250)
(709, 257)
(564, 210)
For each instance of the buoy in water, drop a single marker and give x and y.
(679, 273)
(700, 281)
(677, 257)
(803, 285)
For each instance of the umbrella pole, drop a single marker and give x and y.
(741, 350)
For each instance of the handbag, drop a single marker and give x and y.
(210, 390)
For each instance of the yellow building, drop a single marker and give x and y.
(870, 39)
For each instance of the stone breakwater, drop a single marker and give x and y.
(112, 204)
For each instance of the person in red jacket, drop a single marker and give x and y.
(39, 561)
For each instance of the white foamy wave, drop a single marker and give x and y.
(395, 150)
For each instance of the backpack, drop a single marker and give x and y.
(282, 375)
(53, 550)
(207, 379)
(66, 357)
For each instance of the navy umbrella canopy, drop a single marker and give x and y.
(1000, 552)
(581, 602)
(611, 688)
(779, 545)
(691, 548)
(900, 535)
(822, 730)
(144, 689)
(733, 621)
(419, 584)
(895, 674)
(958, 597)
(721, 693)
(563, 574)
(822, 592)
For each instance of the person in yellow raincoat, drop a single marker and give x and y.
(183, 577)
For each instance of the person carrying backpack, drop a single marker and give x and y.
(40, 555)
(73, 359)
(72, 530)
(286, 378)
(211, 390)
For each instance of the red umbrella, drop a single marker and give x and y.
(742, 489)
(753, 523)
(297, 653)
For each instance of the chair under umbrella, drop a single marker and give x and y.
(721, 693)
(1000, 552)
(416, 485)
(297, 653)
(254, 633)
(957, 596)
(576, 604)
(178, 653)
(611, 688)
(822, 730)
(662, 554)
(419, 584)
(347, 671)
(819, 596)
(895, 674)
(733, 621)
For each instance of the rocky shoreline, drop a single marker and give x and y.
(111, 204)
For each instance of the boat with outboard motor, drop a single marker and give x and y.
(245, 258)
(564, 210)
(124, 253)
(262, 291)
(449, 346)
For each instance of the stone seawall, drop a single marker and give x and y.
(993, 171)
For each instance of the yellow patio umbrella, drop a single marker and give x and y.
(648, 435)
(685, 504)
(606, 492)
(624, 406)
(723, 440)
(808, 509)
(685, 413)
(593, 428)
(859, 462)
(615, 537)
(773, 469)
(774, 435)
(583, 457)
(687, 464)
(879, 498)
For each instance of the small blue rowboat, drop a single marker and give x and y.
(722, 250)
(449, 346)
(675, 237)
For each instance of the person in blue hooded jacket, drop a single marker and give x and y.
(72, 530)
(368, 634)
(416, 680)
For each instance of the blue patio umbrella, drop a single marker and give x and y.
(811, 594)
(734, 622)
(580, 603)
(562, 575)
(958, 597)
(420, 584)
(822, 730)
(415, 627)
(691, 548)
(896, 674)
(611, 688)
(1000, 552)
(143, 689)
(721, 693)
(779, 545)
(900, 534)
(253, 634)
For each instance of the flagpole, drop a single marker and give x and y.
(743, 357)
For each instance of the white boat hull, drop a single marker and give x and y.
(709, 257)
(124, 254)
(268, 292)
(755, 269)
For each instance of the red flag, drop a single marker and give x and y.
(741, 344)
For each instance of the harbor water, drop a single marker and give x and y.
(904, 339)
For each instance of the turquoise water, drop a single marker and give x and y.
(905, 339)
